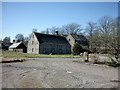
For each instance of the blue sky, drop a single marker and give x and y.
(22, 17)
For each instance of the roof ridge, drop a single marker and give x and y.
(15, 44)
(50, 38)
(49, 34)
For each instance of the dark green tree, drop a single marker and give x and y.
(6, 40)
(77, 49)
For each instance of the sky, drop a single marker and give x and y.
(22, 17)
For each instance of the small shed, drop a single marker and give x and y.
(18, 47)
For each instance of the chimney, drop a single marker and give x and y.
(13, 41)
(57, 32)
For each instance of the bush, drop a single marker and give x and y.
(77, 49)
(111, 62)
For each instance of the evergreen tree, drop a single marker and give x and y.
(77, 49)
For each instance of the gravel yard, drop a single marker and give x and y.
(57, 73)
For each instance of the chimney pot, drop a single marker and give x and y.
(57, 32)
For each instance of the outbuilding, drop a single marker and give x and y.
(18, 47)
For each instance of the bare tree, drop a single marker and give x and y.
(90, 29)
(115, 35)
(73, 28)
(47, 31)
(19, 37)
(105, 24)
(43, 32)
(53, 30)
(61, 31)
(34, 30)
(26, 39)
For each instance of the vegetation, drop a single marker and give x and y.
(112, 62)
(10, 54)
(77, 49)
(72, 28)
(6, 40)
(103, 36)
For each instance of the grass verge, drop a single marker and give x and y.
(10, 54)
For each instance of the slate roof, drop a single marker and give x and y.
(14, 45)
(79, 37)
(51, 38)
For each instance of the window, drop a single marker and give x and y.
(32, 49)
(32, 42)
(33, 36)
(69, 40)
(76, 41)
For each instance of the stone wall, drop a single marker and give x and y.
(71, 41)
(33, 45)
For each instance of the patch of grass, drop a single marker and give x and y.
(10, 54)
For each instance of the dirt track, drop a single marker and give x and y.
(57, 73)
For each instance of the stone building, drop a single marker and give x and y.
(48, 44)
(81, 39)
(18, 47)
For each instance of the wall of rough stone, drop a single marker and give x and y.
(71, 40)
(33, 45)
